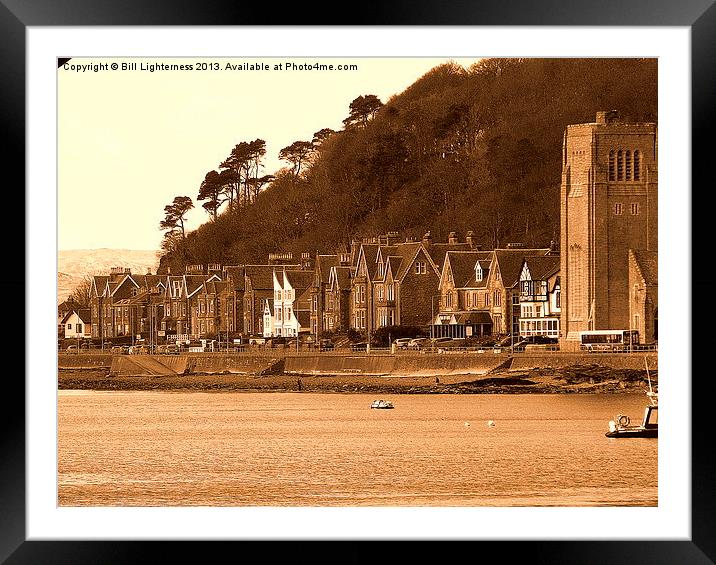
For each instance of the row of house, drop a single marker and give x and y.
(606, 276)
(452, 287)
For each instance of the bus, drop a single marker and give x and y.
(608, 340)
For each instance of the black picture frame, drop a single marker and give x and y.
(699, 16)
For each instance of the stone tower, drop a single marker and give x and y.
(608, 205)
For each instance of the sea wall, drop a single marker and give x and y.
(84, 360)
(398, 365)
(614, 360)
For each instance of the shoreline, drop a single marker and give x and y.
(578, 379)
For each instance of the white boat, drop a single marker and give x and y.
(620, 426)
(382, 404)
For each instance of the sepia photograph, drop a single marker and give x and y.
(357, 282)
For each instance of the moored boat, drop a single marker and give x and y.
(621, 426)
(384, 404)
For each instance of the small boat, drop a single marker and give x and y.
(620, 426)
(382, 404)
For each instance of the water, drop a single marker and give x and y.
(305, 449)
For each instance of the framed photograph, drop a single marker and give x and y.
(417, 147)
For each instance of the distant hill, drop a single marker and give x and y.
(74, 264)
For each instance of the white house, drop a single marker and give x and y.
(540, 296)
(268, 318)
(291, 302)
(77, 324)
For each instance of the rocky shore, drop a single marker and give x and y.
(572, 379)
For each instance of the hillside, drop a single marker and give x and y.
(74, 264)
(461, 149)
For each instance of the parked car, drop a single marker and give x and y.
(402, 342)
(360, 346)
(419, 343)
(437, 340)
(326, 345)
(71, 349)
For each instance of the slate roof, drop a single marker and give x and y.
(324, 263)
(648, 264)
(510, 263)
(261, 276)
(437, 251)
(236, 276)
(463, 264)
(343, 276)
(541, 268)
(300, 280)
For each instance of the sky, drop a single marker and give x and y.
(131, 140)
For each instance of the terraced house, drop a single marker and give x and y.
(292, 302)
(180, 297)
(396, 282)
(540, 296)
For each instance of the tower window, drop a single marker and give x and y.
(620, 165)
(637, 165)
(628, 165)
(618, 209)
(612, 166)
(634, 209)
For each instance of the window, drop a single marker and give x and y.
(620, 165)
(420, 267)
(637, 165)
(497, 298)
(380, 292)
(469, 299)
(558, 297)
(69, 326)
(391, 292)
(618, 209)
(487, 299)
(634, 209)
(612, 166)
(478, 272)
(628, 165)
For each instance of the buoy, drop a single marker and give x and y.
(491, 423)
(467, 424)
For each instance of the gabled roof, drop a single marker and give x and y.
(236, 274)
(195, 282)
(214, 287)
(648, 264)
(368, 253)
(299, 280)
(437, 251)
(121, 282)
(462, 264)
(99, 284)
(509, 263)
(324, 264)
(261, 276)
(83, 314)
(541, 268)
(343, 277)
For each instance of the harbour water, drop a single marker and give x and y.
(308, 449)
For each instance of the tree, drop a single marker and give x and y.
(321, 135)
(174, 215)
(212, 190)
(297, 154)
(362, 109)
(82, 294)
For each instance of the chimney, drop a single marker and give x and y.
(344, 259)
(452, 238)
(427, 239)
(392, 237)
(607, 117)
(305, 261)
(149, 271)
(469, 239)
(553, 248)
(515, 246)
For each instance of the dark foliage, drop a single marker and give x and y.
(461, 149)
